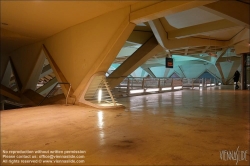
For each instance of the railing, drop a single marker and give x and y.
(199, 82)
(53, 89)
(133, 85)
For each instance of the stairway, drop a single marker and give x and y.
(98, 93)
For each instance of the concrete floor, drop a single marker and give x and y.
(188, 127)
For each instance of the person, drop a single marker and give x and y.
(236, 78)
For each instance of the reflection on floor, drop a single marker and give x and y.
(188, 127)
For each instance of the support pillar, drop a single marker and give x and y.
(6, 77)
(5, 91)
(221, 73)
(149, 72)
(18, 81)
(36, 71)
(59, 75)
(147, 50)
(28, 65)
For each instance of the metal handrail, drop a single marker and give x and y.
(54, 88)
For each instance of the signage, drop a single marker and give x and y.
(169, 63)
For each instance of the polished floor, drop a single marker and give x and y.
(188, 127)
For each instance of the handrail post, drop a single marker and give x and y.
(192, 83)
(68, 94)
(159, 84)
(201, 82)
(128, 86)
(143, 84)
(172, 83)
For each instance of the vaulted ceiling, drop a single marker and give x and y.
(26, 22)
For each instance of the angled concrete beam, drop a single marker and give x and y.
(139, 37)
(161, 37)
(147, 50)
(239, 14)
(114, 34)
(241, 39)
(223, 59)
(151, 65)
(7, 92)
(186, 51)
(6, 76)
(205, 50)
(242, 47)
(179, 51)
(149, 72)
(59, 75)
(36, 71)
(207, 58)
(25, 59)
(3, 62)
(168, 27)
(219, 56)
(202, 28)
(46, 70)
(166, 72)
(18, 81)
(47, 87)
(30, 97)
(195, 51)
(181, 70)
(214, 74)
(163, 9)
(159, 32)
(191, 62)
(169, 53)
(219, 69)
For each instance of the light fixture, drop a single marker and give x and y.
(137, 91)
(152, 90)
(166, 88)
(178, 87)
